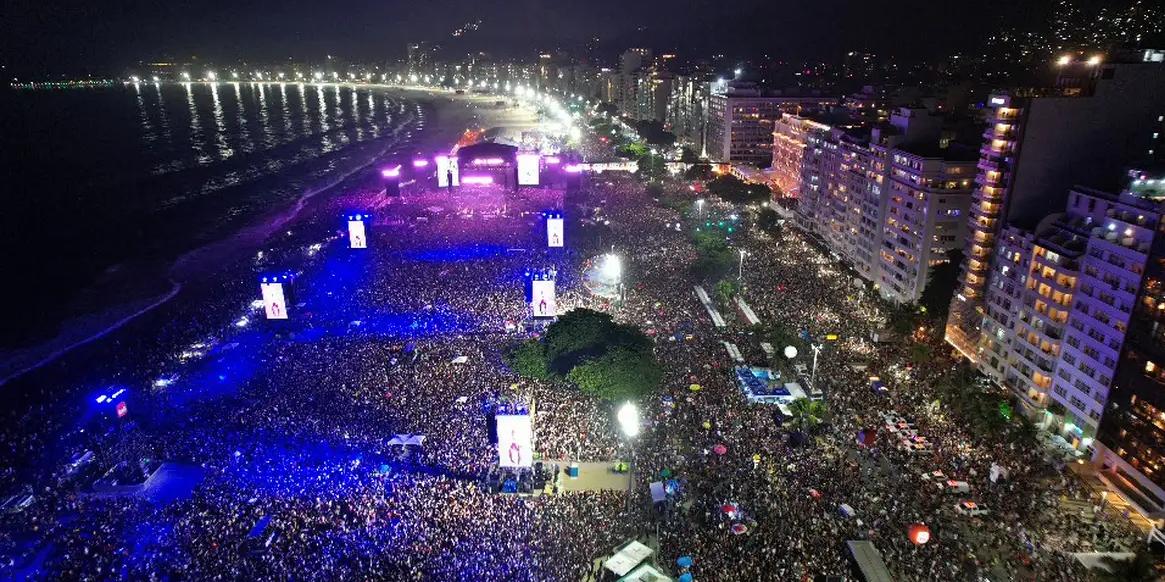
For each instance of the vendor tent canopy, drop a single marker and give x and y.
(627, 557)
(407, 439)
(869, 561)
(657, 492)
(645, 573)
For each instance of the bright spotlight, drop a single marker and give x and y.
(628, 416)
(612, 267)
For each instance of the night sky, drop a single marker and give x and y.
(46, 37)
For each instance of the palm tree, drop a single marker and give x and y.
(1139, 568)
(807, 414)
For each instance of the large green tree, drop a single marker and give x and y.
(807, 415)
(529, 359)
(735, 191)
(622, 373)
(726, 290)
(599, 356)
(714, 259)
(698, 171)
(651, 167)
(632, 151)
(768, 220)
(940, 286)
(582, 334)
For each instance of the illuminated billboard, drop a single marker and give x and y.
(554, 236)
(515, 440)
(357, 238)
(274, 303)
(542, 298)
(528, 169)
(447, 172)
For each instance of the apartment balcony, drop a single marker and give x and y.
(987, 164)
(1006, 114)
(994, 132)
(991, 153)
(988, 194)
(1128, 217)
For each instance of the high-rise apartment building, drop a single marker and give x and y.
(1038, 145)
(626, 96)
(929, 192)
(1130, 447)
(888, 201)
(687, 110)
(1059, 300)
(653, 92)
(741, 119)
(789, 150)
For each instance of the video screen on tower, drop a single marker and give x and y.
(554, 232)
(542, 298)
(447, 172)
(274, 303)
(356, 235)
(528, 169)
(515, 440)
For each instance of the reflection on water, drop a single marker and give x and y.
(220, 138)
(227, 120)
(243, 131)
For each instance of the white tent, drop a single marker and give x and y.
(627, 558)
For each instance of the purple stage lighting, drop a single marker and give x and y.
(477, 180)
(488, 162)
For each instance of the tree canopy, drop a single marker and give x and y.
(698, 171)
(940, 286)
(714, 257)
(651, 167)
(653, 133)
(768, 220)
(735, 191)
(601, 357)
(632, 151)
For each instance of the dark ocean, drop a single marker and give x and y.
(103, 188)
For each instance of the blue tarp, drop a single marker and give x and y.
(260, 527)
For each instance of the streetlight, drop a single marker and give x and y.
(813, 374)
(628, 417)
(613, 269)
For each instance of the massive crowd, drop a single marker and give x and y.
(287, 429)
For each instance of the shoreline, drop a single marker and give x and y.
(195, 264)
